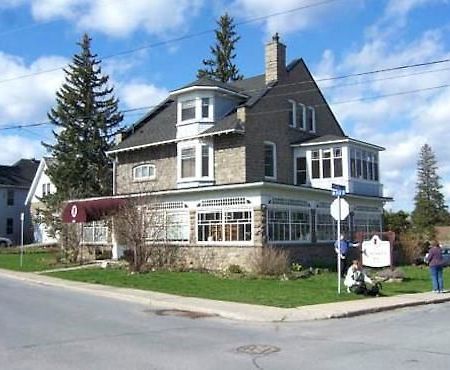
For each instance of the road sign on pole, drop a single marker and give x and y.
(339, 210)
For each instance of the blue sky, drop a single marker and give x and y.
(335, 38)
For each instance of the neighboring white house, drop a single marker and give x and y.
(40, 187)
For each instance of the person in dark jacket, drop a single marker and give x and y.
(436, 262)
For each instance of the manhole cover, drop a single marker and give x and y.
(184, 313)
(258, 349)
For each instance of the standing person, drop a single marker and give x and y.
(436, 262)
(341, 247)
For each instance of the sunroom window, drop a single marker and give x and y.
(315, 164)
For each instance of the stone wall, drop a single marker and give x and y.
(163, 157)
(229, 159)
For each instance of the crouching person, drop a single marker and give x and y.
(358, 282)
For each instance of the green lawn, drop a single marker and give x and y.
(317, 289)
(33, 260)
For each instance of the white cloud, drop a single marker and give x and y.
(28, 99)
(117, 17)
(401, 123)
(289, 22)
(16, 147)
(138, 94)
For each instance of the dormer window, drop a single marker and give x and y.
(144, 172)
(311, 119)
(205, 107)
(188, 110)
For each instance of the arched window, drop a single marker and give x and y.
(144, 172)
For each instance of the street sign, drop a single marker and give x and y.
(337, 190)
(344, 208)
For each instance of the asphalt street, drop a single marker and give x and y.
(44, 327)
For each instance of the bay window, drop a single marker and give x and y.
(205, 107)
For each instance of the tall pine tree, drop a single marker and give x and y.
(86, 117)
(430, 209)
(221, 66)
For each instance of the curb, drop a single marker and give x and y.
(233, 310)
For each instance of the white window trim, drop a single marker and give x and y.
(197, 146)
(324, 212)
(274, 146)
(308, 180)
(146, 178)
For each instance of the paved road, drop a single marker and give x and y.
(45, 327)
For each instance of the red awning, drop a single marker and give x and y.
(90, 210)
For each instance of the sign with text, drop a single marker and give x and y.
(376, 252)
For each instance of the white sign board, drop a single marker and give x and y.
(376, 252)
(334, 209)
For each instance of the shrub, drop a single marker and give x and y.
(410, 247)
(269, 261)
(235, 269)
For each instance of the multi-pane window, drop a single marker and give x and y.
(315, 164)
(10, 197)
(144, 172)
(187, 110)
(290, 224)
(95, 232)
(324, 226)
(9, 226)
(301, 171)
(168, 225)
(337, 155)
(269, 160)
(188, 162)
(367, 221)
(205, 160)
(224, 225)
(205, 107)
(364, 164)
(326, 163)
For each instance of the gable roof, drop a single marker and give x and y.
(20, 174)
(43, 165)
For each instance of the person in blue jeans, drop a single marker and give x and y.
(436, 262)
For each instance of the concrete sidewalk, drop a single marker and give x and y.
(236, 311)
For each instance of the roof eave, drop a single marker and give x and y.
(212, 88)
(340, 141)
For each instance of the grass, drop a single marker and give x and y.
(33, 259)
(292, 293)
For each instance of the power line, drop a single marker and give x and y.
(177, 39)
(348, 101)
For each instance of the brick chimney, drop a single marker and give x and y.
(275, 59)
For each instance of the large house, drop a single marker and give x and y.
(15, 181)
(249, 163)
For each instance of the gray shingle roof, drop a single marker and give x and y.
(20, 174)
(321, 139)
(206, 81)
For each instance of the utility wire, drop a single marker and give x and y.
(373, 97)
(177, 39)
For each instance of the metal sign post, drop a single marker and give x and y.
(340, 212)
(22, 217)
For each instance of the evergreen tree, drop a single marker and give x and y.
(221, 67)
(430, 209)
(86, 116)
